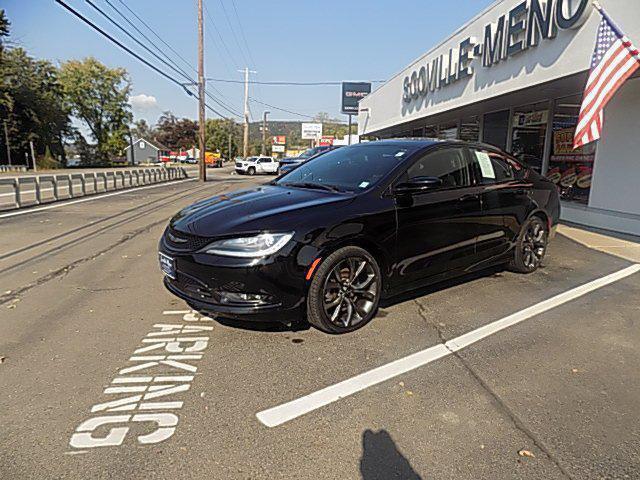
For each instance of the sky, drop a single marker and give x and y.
(282, 40)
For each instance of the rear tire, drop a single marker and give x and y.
(531, 246)
(345, 291)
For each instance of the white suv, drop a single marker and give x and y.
(253, 165)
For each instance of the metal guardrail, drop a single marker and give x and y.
(81, 184)
(12, 168)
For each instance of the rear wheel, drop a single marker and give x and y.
(345, 291)
(531, 246)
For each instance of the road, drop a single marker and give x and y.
(97, 382)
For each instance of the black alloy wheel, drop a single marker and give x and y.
(345, 291)
(531, 247)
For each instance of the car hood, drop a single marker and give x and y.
(260, 208)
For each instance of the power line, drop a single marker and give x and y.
(233, 32)
(173, 65)
(279, 108)
(133, 54)
(285, 83)
(155, 34)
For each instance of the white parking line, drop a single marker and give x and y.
(276, 416)
(91, 198)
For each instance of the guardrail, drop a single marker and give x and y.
(12, 168)
(53, 188)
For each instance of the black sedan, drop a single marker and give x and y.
(333, 237)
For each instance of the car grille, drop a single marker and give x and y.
(184, 242)
(238, 165)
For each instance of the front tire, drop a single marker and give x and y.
(531, 246)
(251, 171)
(345, 291)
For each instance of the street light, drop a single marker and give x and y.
(264, 132)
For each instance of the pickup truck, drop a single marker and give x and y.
(253, 165)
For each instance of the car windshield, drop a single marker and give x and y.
(310, 152)
(349, 169)
(252, 159)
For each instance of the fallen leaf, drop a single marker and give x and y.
(408, 393)
(526, 453)
(10, 307)
(574, 370)
(2, 359)
(401, 384)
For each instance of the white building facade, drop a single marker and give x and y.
(514, 77)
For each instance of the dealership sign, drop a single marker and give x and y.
(279, 140)
(278, 148)
(522, 28)
(352, 93)
(311, 131)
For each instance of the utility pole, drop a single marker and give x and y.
(349, 129)
(229, 148)
(33, 156)
(264, 132)
(245, 150)
(6, 138)
(133, 153)
(201, 93)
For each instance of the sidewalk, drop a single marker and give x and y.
(627, 247)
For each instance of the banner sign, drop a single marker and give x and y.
(277, 148)
(279, 140)
(311, 131)
(352, 93)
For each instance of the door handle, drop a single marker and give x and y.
(466, 198)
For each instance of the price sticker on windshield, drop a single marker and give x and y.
(485, 165)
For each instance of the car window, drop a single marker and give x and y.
(354, 168)
(491, 167)
(448, 164)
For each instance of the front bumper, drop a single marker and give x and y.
(211, 284)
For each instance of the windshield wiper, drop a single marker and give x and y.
(310, 185)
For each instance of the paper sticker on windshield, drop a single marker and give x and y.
(364, 185)
(485, 165)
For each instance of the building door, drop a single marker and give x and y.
(496, 129)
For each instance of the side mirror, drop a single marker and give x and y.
(417, 185)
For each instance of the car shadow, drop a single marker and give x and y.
(443, 285)
(381, 459)
(267, 327)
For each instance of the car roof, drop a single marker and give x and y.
(422, 142)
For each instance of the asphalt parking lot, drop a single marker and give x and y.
(104, 374)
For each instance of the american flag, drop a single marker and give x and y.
(614, 60)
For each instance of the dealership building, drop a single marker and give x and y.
(514, 77)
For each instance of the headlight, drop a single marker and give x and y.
(250, 247)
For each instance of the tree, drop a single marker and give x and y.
(217, 135)
(32, 104)
(176, 133)
(98, 96)
(142, 129)
(4, 29)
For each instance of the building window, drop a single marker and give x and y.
(496, 128)
(141, 145)
(528, 134)
(469, 129)
(570, 169)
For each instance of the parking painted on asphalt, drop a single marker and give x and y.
(135, 390)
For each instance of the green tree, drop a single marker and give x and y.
(32, 103)
(4, 30)
(98, 96)
(217, 137)
(141, 129)
(176, 133)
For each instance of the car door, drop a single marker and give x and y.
(260, 165)
(505, 197)
(270, 165)
(437, 229)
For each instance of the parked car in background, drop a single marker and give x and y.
(253, 165)
(356, 225)
(288, 163)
